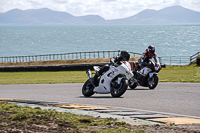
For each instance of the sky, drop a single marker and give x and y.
(108, 9)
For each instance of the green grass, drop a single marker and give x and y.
(42, 77)
(168, 74)
(180, 74)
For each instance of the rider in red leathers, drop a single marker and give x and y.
(144, 60)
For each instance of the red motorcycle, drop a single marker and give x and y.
(146, 77)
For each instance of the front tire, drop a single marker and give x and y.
(119, 90)
(87, 89)
(152, 82)
(132, 84)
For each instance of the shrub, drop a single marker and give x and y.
(198, 60)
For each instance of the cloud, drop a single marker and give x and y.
(108, 9)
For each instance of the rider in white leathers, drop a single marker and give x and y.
(123, 56)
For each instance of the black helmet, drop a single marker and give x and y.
(124, 55)
(151, 49)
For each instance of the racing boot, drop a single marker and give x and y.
(95, 79)
(137, 75)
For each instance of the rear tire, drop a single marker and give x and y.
(87, 89)
(152, 82)
(117, 91)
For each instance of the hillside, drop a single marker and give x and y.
(61, 62)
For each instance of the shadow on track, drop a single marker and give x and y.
(106, 97)
(139, 89)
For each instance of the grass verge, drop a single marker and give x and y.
(180, 74)
(42, 77)
(168, 74)
(15, 118)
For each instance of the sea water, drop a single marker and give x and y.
(169, 40)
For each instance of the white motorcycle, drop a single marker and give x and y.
(150, 74)
(114, 81)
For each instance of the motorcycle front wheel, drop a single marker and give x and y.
(132, 84)
(153, 81)
(87, 89)
(118, 90)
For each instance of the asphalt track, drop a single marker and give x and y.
(169, 98)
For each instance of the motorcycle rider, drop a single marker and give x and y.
(115, 61)
(144, 60)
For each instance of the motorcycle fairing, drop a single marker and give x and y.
(107, 77)
(145, 71)
(104, 84)
(151, 74)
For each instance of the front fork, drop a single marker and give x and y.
(89, 74)
(117, 82)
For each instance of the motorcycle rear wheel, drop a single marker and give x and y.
(152, 82)
(117, 91)
(87, 89)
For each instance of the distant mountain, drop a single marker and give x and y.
(92, 19)
(169, 15)
(44, 16)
